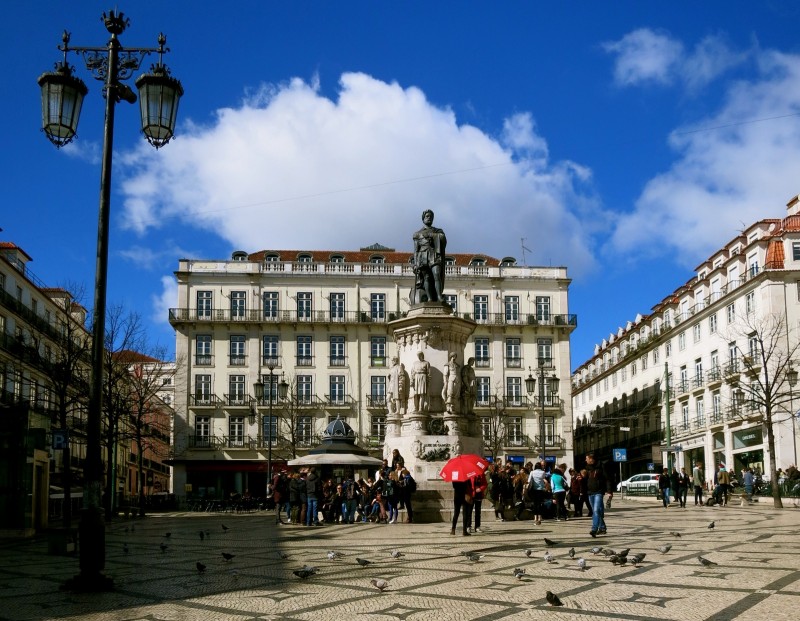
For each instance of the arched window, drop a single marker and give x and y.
(337, 258)
(304, 257)
(508, 262)
(272, 258)
(377, 258)
(449, 260)
(478, 261)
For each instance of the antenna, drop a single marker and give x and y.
(524, 248)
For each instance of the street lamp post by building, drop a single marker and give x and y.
(552, 386)
(791, 378)
(282, 389)
(62, 98)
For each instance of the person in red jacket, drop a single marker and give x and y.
(479, 485)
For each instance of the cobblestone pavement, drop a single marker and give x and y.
(756, 576)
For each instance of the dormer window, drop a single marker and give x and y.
(478, 261)
(304, 258)
(377, 258)
(272, 258)
(508, 262)
(449, 260)
(337, 258)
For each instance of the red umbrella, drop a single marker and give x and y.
(463, 467)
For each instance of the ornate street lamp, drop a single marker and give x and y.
(62, 96)
(282, 390)
(552, 387)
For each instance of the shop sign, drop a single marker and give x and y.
(747, 437)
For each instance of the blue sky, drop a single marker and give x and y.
(625, 140)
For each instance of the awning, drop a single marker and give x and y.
(335, 459)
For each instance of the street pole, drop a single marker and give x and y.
(666, 402)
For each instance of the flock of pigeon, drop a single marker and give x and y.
(615, 557)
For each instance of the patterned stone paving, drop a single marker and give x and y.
(756, 549)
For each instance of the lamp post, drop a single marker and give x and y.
(552, 385)
(62, 98)
(282, 389)
(791, 378)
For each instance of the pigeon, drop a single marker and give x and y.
(552, 599)
(125, 548)
(571, 552)
(167, 535)
(283, 556)
(228, 557)
(380, 584)
(363, 562)
(596, 550)
(549, 542)
(705, 562)
(608, 552)
(582, 563)
(305, 572)
(474, 557)
(224, 528)
(711, 526)
(200, 567)
(202, 535)
(674, 533)
(623, 552)
(397, 554)
(519, 572)
(638, 558)
(618, 560)
(664, 549)
(333, 555)
(163, 547)
(548, 557)
(528, 552)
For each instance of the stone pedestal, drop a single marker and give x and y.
(428, 436)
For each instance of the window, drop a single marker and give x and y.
(305, 430)
(696, 332)
(204, 305)
(377, 259)
(513, 353)
(237, 395)
(514, 390)
(623, 372)
(269, 349)
(683, 386)
(305, 393)
(698, 372)
(237, 356)
(511, 306)
(795, 251)
(730, 311)
(377, 306)
(714, 360)
(483, 389)
(304, 309)
(544, 351)
(480, 306)
(304, 258)
(238, 304)
(752, 264)
(486, 429)
(753, 348)
(271, 258)
(269, 429)
(700, 412)
(668, 349)
(682, 341)
(304, 352)
(684, 416)
(549, 430)
(202, 431)
(377, 390)
(633, 369)
(733, 351)
(712, 323)
(452, 300)
(482, 352)
(202, 389)
(337, 258)
(543, 307)
(377, 351)
(378, 427)
(236, 431)
(478, 261)
(716, 405)
(644, 362)
(750, 302)
(614, 379)
(514, 431)
(202, 350)
(337, 357)
(655, 355)
(337, 306)
(270, 300)
(337, 386)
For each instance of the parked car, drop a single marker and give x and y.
(640, 484)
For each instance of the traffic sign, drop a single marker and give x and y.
(620, 454)
(60, 439)
(651, 466)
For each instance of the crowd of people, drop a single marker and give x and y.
(531, 490)
(307, 500)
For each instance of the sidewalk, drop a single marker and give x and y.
(757, 576)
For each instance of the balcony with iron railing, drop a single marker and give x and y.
(554, 442)
(376, 402)
(516, 401)
(339, 401)
(201, 400)
(206, 442)
(237, 400)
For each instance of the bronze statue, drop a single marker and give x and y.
(429, 258)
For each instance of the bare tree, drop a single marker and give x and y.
(494, 427)
(765, 393)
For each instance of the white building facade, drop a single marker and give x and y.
(703, 336)
(322, 319)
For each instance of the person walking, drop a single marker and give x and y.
(698, 481)
(724, 482)
(350, 494)
(312, 497)
(597, 485)
(663, 487)
(584, 499)
(480, 485)
(537, 488)
(463, 497)
(748, 481)
(558, 485)
(683, 487)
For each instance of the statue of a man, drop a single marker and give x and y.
(469, 389)
(429, 256)
(420, 380)
(452, 382)
(398, 387)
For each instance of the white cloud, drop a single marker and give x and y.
(168, 298)
(739, 167)
(648, 56)
(291, 168)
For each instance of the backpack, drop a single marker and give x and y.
(411, 485)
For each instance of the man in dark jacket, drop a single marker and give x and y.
(597, 484)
